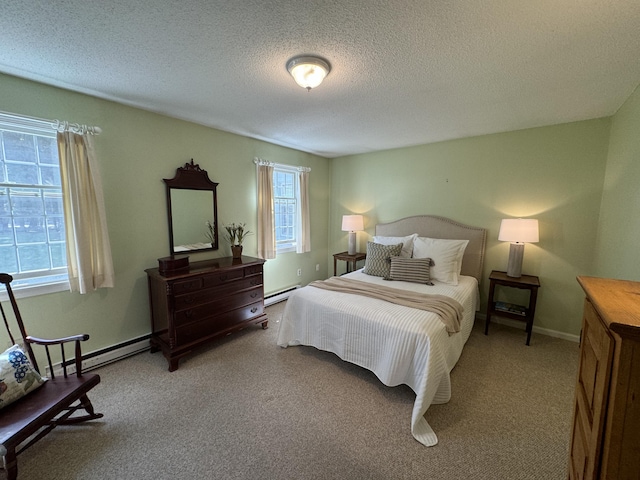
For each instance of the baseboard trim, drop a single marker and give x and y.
(543, 331)
(104, 356)
(279, 296)
(122, 350)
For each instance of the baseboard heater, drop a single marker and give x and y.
(279, 296)
(104, 356)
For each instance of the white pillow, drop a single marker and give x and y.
(407, 243)
(446, 256)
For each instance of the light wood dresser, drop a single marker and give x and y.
(202, 302)
(605, 441)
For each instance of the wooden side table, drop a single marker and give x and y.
(352, 261)
(514, 312)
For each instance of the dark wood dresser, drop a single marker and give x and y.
(605, 440)
(204, 301)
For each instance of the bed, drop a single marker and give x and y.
(399, 344)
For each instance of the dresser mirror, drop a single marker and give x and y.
(191, 203)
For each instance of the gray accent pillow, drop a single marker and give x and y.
(378, 262)
(415, 270)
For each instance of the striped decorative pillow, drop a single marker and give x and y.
(378, 261)
(415, 270)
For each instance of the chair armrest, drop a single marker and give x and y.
(57, 341)
(60, 341)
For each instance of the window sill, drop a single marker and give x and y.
(32, 291)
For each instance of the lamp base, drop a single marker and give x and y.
(352, 243)
(516, 253)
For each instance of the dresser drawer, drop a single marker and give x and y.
(190, 285)
(222, 277)
(252, 270)
(218, 306)
(206, 281)
(197, 330)
(207, 295)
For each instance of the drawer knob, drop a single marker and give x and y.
(188, 299)
(223, 278)
(254, 295)
(254, 309)
(188, 313)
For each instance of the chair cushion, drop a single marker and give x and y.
(17, 377)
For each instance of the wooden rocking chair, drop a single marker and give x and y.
(36, 414)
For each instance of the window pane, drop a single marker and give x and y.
(34, 257)
(55, 227)
(289, 186)
(58, 255)
(279, 184)
(5, 207)
(22, 173)
(3, 177)
(6, 231)
(8, 259)
(19, 146)
(50, 175)
(48, 150)
(26, 201)
(53, 202)
(30, 229)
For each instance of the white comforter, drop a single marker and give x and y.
(401, 345)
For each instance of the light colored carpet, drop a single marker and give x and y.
(243, 408)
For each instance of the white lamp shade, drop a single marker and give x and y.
(520, 230)
(352, 223)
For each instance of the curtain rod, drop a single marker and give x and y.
(64, 126)
(43, 124)
(262, 162)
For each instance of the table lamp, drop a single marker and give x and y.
(518, 231)
(351, 224)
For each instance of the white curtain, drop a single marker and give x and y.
(88, 249)
(304, 222)
(266, 223)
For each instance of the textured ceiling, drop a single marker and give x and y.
(403, 72)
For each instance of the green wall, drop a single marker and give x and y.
(554, 174)
(136, 150)
(567, 176)
(618, 252)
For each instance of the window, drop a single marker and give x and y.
(32, 230)
(285, 203)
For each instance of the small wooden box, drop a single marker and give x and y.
(172, 263)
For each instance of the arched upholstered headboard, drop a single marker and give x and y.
(441, 227)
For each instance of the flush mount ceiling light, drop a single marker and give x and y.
(308, 71)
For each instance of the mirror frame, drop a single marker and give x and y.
(191, 177)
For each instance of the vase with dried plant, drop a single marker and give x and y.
(235, 234)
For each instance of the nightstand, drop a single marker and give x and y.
(352, 261)
(507, 310)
